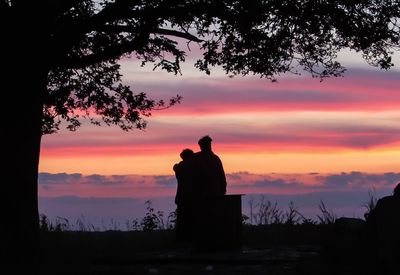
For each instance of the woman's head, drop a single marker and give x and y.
(186, 153)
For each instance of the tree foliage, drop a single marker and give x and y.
(83, 40)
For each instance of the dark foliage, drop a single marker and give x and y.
(82, 42)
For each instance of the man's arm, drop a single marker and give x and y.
(222, 177)
(177, 170)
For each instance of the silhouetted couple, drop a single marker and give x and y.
(199, 175)
(384, 235)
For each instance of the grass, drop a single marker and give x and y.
(78, 252)
(261, 212)
(74, 248)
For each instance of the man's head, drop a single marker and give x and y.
(186, 153)
(396, 191)
(205, 143)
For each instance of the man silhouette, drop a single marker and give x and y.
(214, 220)
(184, 196)
(209, 173)
(384, 234)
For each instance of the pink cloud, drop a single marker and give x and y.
(358, 90)
(313, 132)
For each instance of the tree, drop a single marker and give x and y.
(60, 62)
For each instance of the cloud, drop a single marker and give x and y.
(243, 182)
(75, 200)
(58, 178)
(359, 89)
(165, 180)
(236, 176)
(96, 178)
(341, 180)
(280, 183)
(77, 178)
(278, 132)
(104, 180)
(343, 193)
(358, 179)
(391, 178)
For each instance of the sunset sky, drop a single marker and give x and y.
(295, 133)
(298, 124)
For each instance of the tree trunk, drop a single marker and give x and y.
(25, 83)
(24, 61)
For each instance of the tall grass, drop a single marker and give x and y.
(327, 216)
(153, 220)
(266, 212)
(371, 203)
(261, 212)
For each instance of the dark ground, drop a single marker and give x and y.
(279, 249)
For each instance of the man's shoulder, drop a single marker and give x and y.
(215, 156)
(177, 165)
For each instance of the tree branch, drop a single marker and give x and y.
(147, 18)
(118, 10)
(109, 53)
(128, 29)
(184, 35)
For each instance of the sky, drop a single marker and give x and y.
(297, 139)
